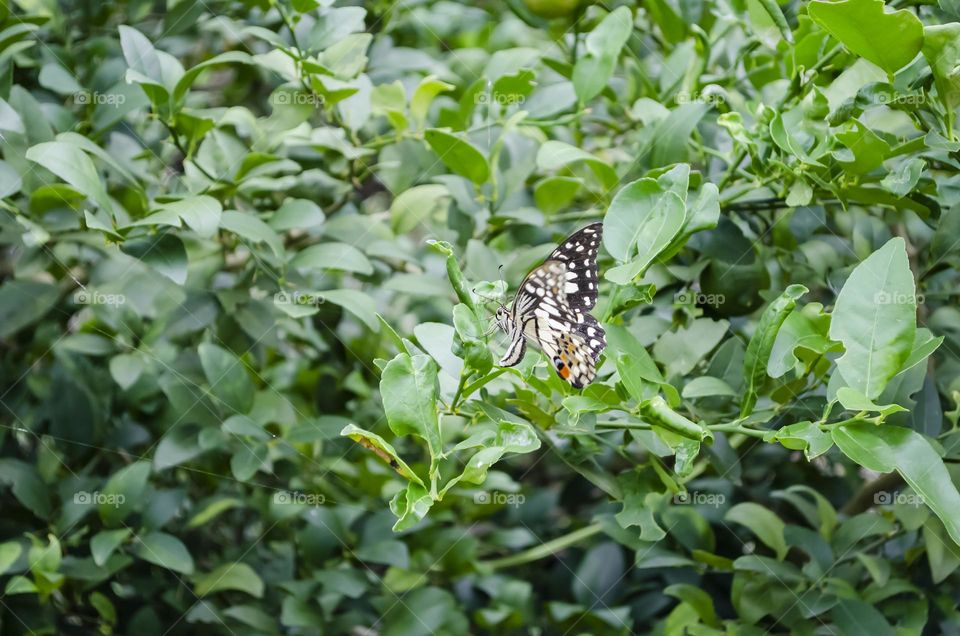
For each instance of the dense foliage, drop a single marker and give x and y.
(251, 252)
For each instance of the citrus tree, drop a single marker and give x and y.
(252, 252)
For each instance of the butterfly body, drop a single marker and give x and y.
(552, 307)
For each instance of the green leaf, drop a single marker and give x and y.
(853, 616)
(641, 221)
(408, 387)
(10, 181)
(875, 318)
(140, 54)
(124, 492)
(557, 154)
(554, 193)
(941, 47)
(509, 437)
(706, 386)
(347, 57)
(886, 448)
(458, 155)
(231, 576)
(853, 400)
(9, 553)
(104, 543)
(946, 238)
(164, 253)
(297, 214)
(868, 149)
(248, 459)
(252, 229)
(228, 378)
(227, 57)
(763, 523)
(454, 273)
(417, 204)
(889, 40)
(212, 510)
(600, 573)
(126, 368)
(339, 256)
(602, 47)
(805, 436)
(410, 506)
(179, 444)
(428, 88)
(943, 555)
(805, 329)
(696, 598)
(72, 165)
(382, 449)
(761, 344)
(680, 351)
(164, 550)
(24, 302)
(357, 303)
(201, 213)
(904, 179)
(773, 10)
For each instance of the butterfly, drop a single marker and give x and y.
(552, 307)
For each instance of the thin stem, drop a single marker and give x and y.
(456, 396)
(545, 549)
(640, 426)
(183, 151)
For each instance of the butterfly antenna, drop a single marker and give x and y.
(483, 296)
(500, 270)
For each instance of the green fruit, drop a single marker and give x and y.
(735, 287)
(552, 8)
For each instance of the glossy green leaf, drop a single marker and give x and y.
(227, 377)
(408, 386)
(888, 39)
(382, 449)
(766, 525)
(761, 344)
(231, 576)
(163, 253)
(887, 448)
(164, 550)
(642, 220)
(875, 319)
(458, 155)
(601, 47)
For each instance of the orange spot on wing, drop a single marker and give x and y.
(564, 372)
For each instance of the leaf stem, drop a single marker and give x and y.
(545, 549)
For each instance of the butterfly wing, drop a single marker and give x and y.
(517, 347)
(543, 313)
(578, 252)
